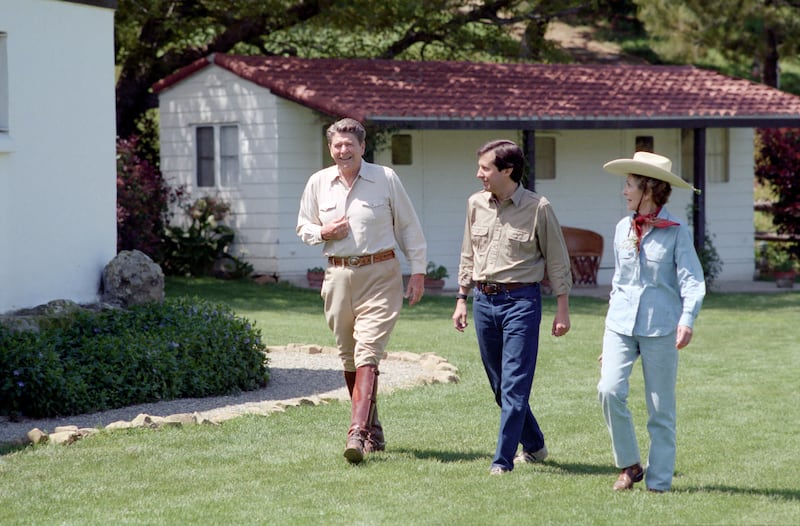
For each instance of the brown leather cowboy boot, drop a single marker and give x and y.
(350, 381)
(361, 414)
(375, 440)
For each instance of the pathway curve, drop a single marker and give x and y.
(300, 375)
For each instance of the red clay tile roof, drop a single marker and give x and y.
(467, 94)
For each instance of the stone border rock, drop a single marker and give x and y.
(432, 369)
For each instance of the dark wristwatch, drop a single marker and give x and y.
(460, 296)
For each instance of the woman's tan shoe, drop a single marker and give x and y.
(628, 477)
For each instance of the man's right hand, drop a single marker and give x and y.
(338, 229)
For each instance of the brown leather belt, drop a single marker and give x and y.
(490, 289)
(360, 261)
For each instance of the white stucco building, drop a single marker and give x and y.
(57, 150)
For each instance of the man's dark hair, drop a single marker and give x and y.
(506, 155)
(347, 126)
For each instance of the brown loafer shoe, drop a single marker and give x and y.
(628, 477)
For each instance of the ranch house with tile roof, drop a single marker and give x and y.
(250, 129)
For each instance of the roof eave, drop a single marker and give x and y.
(584, 123)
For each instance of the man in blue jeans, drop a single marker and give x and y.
(511, 235)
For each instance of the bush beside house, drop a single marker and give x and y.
(86, 361)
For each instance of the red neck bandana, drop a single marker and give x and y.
(641, 220)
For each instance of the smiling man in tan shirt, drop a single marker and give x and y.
(362, 214)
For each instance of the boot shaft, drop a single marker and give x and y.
(365, 391)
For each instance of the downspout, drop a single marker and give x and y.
(699, 199)
(529, 150)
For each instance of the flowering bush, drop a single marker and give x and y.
(778, 165)
(143, 200)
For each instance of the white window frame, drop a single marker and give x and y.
(226, 156)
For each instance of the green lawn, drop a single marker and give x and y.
(738, 429)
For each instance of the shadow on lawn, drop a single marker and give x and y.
(582, 469)
(783, 494)
(442, 456)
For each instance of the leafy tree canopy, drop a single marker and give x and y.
(749, 35)
(156, 37)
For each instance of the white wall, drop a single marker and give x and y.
(57, 165)
(583, 195)
(265, 202)
(283, 144)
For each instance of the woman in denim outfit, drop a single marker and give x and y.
(656, 294)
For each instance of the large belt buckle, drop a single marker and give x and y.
(353, 261)
(491, 289)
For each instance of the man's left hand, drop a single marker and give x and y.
(416, 288)
(561, 325)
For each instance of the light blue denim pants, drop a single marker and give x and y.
(660, 368)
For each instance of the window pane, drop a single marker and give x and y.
(545, 158)
(717, 155)
(645, 143)
(401, 149)
(229, 155)
(205, 156)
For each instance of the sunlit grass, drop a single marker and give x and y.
(738, 422)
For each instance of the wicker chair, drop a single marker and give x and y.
(585, 249)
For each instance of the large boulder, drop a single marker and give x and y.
(132, 278)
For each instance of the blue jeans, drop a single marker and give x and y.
(507, 326)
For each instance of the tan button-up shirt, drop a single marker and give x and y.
(513, 241)
(379, 214)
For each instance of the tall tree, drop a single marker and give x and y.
(156, 37)
(751, 35)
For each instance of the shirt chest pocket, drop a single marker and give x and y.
(655, 253)
(372, 210)
(520, 241)
(480, 238)
(328, 212)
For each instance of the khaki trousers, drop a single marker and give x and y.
(362, 305)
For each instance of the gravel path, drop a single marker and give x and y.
(296, 372)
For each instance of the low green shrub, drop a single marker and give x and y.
(105, 360)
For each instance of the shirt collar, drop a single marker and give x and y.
(515, 198)
(363, 172)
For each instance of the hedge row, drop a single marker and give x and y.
(95, 361)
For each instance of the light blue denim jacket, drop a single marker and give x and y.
(659, 287)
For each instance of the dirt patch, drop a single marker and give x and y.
(582, 44)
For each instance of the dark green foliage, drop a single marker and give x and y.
(708, 255)
(104, 360)
(434, 271)
(710, 260)
(193, 250)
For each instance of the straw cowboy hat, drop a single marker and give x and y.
(649, 165)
